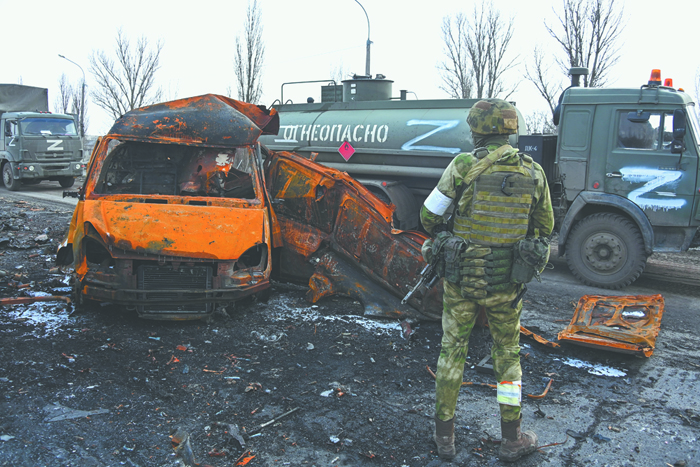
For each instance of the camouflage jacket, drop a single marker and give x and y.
(541, 214)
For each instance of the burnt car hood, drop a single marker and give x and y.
(208, 120)
(211, 233)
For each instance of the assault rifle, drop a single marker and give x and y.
(429, 275)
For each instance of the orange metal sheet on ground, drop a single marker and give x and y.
(627, 324)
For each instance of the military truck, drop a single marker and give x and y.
(35, 144)
(623, 168)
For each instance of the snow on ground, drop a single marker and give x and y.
(280, 309)
(45, 318)
(594, 368)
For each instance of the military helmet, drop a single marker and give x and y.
(493, 117)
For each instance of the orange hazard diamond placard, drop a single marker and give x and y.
(346, 150)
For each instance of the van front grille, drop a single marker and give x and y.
(173, 287)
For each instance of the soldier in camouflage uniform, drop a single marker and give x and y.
(500, 197)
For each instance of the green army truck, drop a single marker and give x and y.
(35, 144)
(623, 168)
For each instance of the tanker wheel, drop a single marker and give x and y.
(66, 182)
(606, 250)
(7, 178)
(383, 197)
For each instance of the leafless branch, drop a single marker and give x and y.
(79, 107)
(475, 49)
(250, 54)
(65, 91)
(455, 69)
(540, 75)
(540, 121)
(589, 31)
(129, 82)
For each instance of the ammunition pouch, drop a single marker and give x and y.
(530, 256)
(444, 253)
(439, 241)
(453, 249)
(484, 270)
(438, 251)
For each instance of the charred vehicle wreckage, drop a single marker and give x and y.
(183, 209)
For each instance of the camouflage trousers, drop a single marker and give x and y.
(458, 318)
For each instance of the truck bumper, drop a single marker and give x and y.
(42, 171)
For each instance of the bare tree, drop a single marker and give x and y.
(540, 121)
(79, 106)
(129, 82)
(540, 75)
(65, 92)
(456, 68)
(588, 31)
(476, 50)
(497, 32)
(250, 54)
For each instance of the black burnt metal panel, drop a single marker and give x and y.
(208, 120)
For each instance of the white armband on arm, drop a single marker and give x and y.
(437, 203)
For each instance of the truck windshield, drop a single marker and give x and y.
(693, 117)
(48, 126)
(170, 169)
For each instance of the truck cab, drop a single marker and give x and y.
(36, 146)
(627, 164)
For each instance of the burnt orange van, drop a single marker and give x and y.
(173, 217)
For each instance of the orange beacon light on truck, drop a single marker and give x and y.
(655, 78)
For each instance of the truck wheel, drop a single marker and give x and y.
(606, 250)
(9, 181)
(66, 182)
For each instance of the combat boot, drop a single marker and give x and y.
(444, 437)
(514, 443)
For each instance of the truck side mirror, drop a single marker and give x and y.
(638, 116)
(679, 124)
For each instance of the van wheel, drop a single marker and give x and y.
(7, 178)
(66, 182)
(606, 250)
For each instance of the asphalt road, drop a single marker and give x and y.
(50, 192)
(636, 418)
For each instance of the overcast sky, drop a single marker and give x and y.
(307, 39)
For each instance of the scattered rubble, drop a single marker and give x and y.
(628, 324)
(56, 412)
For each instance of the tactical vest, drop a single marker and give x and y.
(502, 197)
(499, 215)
